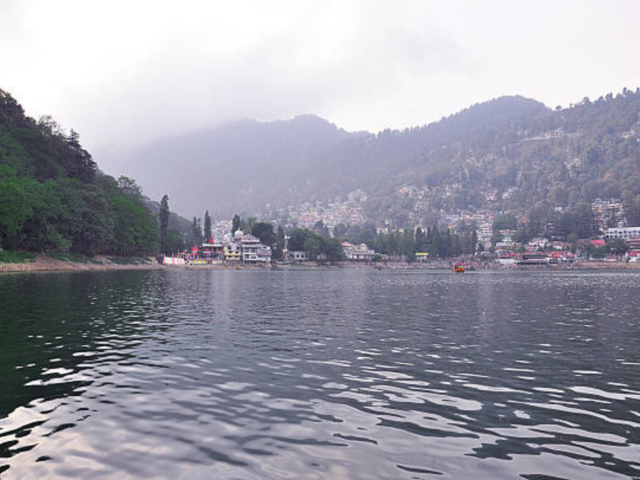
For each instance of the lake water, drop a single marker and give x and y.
(355, 374)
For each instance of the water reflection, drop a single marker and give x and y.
(331, 374)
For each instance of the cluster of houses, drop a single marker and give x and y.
(242, 248)
(631, 236)
(307, 214)
(537, 258)
(541, 251)
(355, 253)
(358, 253)
(239, 248)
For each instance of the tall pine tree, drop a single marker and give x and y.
(207, 227)
(278, 253)
(164, 223)
(235, 224)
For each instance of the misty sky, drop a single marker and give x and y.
(123, 73)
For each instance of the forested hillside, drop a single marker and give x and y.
(54, 198)
(534, 165)
(508, 154)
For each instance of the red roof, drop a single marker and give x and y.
(195, 248)
(211, 239)
(598, 243)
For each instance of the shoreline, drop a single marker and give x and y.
(43, 263)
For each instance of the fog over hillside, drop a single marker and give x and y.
(252, 167)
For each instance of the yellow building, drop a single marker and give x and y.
(232, 253)
(422, 256)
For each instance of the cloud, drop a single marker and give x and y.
(124, 73)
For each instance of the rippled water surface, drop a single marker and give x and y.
(354, 374)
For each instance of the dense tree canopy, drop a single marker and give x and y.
(53, 198)
(407, 242)
(264, 231)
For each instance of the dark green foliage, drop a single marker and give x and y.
(617, 247)
(278, 252)
(340, 230)
(135, 229)
(317, 246)
(207, 226)
(73, 257)
(164, 222)
(332, 248)
(578, 221)
(195, 237)
(297, 237)
(16, 257)
(357, 234)
(264, 231)
(235, 223)
(53, 199)
(247, 225)
(321, 229)
(313, 245)
(632, 208)
(596, 252)
(407, 243)
(129, 260)
(174, 242)
(505, 222)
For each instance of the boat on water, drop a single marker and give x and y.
(458, 269)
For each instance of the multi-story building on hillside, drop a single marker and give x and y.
(625, 233)
(357, 252)
(252, 250)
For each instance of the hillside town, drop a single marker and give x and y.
(618, 244)
(349, 210)
(483, 234)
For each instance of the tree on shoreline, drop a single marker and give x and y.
(264, 231)
(164, 223)
(278, 252)
(207, 226)
(235, 224)
(53, 197)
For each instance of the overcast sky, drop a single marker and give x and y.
(123, 73)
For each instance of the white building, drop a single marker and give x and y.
(298, 256)
(264, 254)
(485, 232)
(537, 243)
(252, 250)
(357, 252)
(625, 233)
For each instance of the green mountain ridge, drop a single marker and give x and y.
(534, 166)
(54, 198)
(510, 154)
